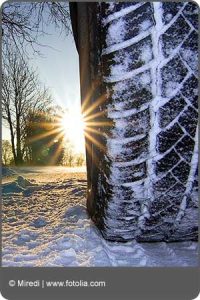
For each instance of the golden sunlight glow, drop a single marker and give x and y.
(73, 125)
(70, 129)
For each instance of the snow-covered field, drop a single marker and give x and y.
(45, 224)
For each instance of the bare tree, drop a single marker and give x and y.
(80, 159)
(6, 152)
(24, 23)
(69, 155)
(21, 92)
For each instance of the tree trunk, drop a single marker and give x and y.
(12, 137)
(19, 159)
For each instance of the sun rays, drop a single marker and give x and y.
(80, 127)
(73, 125)
(96, 123)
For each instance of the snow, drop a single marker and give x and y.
(7, 171)
(122, 12)
(117, 141)
(145, 78)
(51, 228)
(46, 223)
(191, 59)
(116, 29)
(127, 75)
(117, 37)
(146, 24)
(127, 113)
(39, 222)
(121, 70)
(146, 55)
(156, 91)
(140, 61)
(168, 17)
(168, 25)
(194, 165)
(138, 160)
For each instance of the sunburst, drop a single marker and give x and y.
(83, 130)
(73, 125)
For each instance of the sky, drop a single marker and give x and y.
(58, 69)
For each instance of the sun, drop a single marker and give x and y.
(73, 125)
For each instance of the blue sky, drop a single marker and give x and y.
(58, 69)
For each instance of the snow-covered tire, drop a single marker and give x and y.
(146, 173)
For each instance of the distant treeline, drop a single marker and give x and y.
(45, 155)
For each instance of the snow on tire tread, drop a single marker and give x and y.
(149, 65)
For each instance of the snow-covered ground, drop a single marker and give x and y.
(45, 224)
